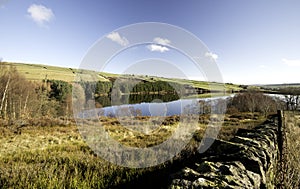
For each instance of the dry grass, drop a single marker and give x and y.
(57, 156)
(158, 130)
(54, 157)
(234, 122)
(292, 171)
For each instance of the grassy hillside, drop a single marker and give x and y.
(38, 72)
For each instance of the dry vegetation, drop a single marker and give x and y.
(57, 157)
(53, 157)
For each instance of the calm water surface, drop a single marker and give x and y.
(157, 107)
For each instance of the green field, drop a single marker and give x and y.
(38, 72)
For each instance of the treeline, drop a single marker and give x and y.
(129, 86)
(103, 101)
(158, 87)
(124, 90)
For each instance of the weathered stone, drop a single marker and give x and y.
(180, 184)
(203, 183)
(246, 161)
(187, 174)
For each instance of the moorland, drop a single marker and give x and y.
(41, 147)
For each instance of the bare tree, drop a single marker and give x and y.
(266, 104)
(17, 95)
(292, 97)
(254, 101)
(4, 95)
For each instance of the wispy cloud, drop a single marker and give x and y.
(289, 62)
(116, 37)
(160, 45)
(159, 48)
(211, 55)
(40, 14)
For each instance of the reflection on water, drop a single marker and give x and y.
(105, 101)
(155, 105)
(149, 108)
(160, 105)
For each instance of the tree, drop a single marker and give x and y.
(61, 91)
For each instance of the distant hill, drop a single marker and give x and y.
(278, 86)
(39, 72)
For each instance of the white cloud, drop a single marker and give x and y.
(288, 62)
(161, 41)
(40, 14)
(159, 48)
(212, 56)
(159, 45)
(115, 36)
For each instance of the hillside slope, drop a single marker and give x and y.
(39, 72)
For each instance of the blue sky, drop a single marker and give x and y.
(252, 41)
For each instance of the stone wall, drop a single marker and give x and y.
(246, 161)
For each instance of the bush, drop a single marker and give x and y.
(253, 101)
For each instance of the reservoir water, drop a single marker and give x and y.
(159, 108)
